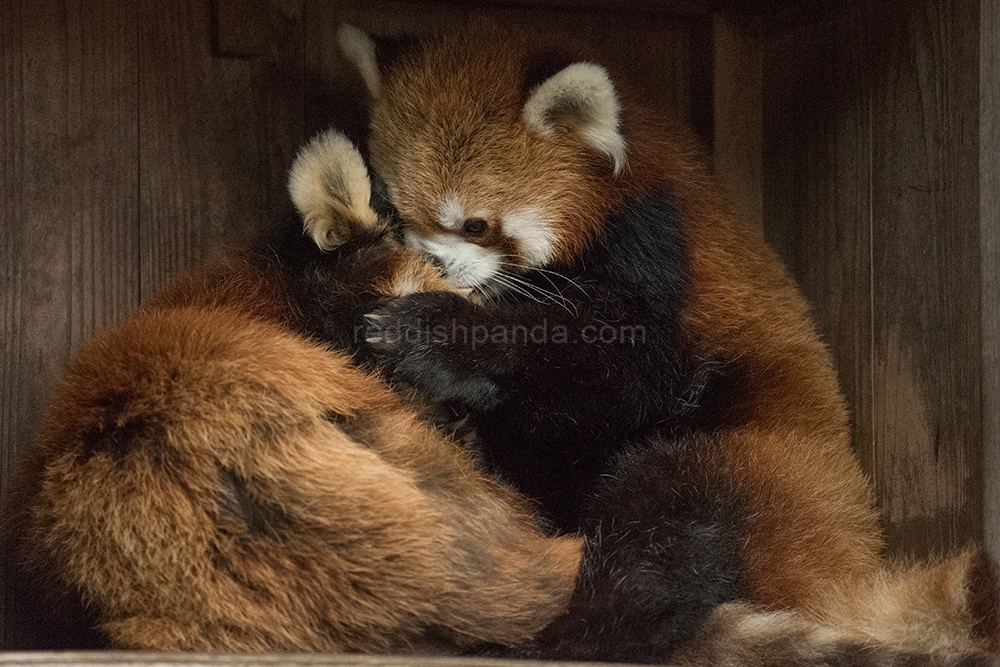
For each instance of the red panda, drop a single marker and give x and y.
(688, 418)
(210, 477)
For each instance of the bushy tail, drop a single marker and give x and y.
(948, 606)
(940, 613)
(739, 635)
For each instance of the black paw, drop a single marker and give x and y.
(425, 340)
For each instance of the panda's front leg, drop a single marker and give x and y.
(481, 356)
(436, 342)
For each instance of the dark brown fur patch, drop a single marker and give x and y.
(258, 517)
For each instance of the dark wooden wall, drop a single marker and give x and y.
(137, 136)
(872, 193)
(989, 230)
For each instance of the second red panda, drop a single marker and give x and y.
(702, 441)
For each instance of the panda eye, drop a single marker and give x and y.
(474, 227)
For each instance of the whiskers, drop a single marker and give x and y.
(507, 280)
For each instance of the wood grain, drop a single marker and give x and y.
(14, 424)
(70, 194)
(72, 218)
(872, 147)
(816, 192)
(989, 230)
(925, 250)
(218, 133)
(15, 390)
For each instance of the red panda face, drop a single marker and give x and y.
(462, 182)
(489, 180)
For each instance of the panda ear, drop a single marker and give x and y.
(372, 56)
(330, 188)
(360, 50)
(579, 98)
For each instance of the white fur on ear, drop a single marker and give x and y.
(329, 185)
(360, 50)
(580, 97)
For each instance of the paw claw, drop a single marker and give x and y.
(378, 330)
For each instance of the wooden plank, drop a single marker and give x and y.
(989, 229)
(218, 133)
(817, 149)
(13, 427)
(133, 659)
(925, 256)
(913, 387)
(69, 233)
(903, 117)
(737, 147)
(14, 385)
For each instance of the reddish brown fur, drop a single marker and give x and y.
(410, 273)
(378, 533)
(814, 543)
(503, 165)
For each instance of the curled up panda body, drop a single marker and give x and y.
(212, 477)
